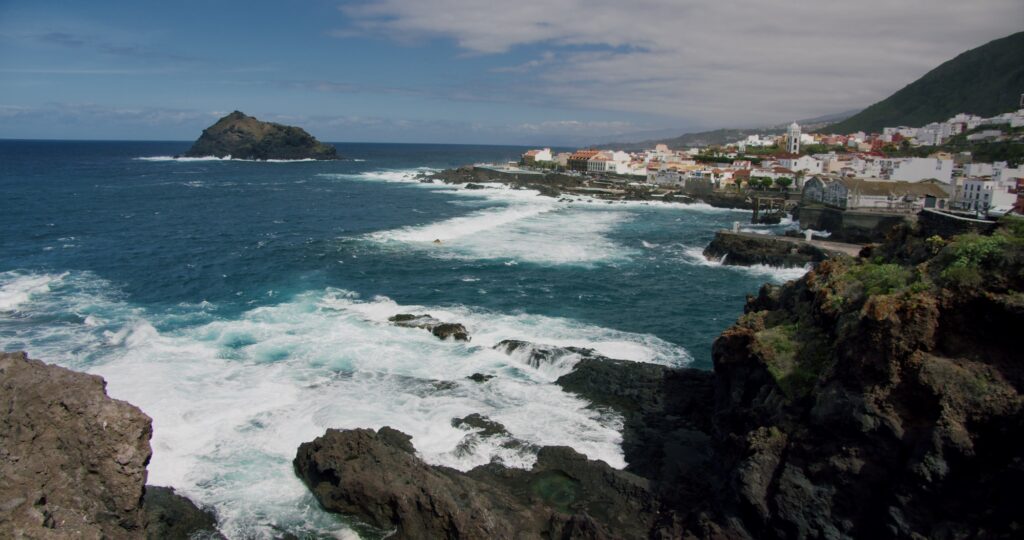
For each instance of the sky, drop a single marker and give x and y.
(528, 72)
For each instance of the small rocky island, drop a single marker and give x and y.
(240, 136)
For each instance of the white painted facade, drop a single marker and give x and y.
(917, 169)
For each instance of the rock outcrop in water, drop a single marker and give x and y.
(750, 249)
(244, 137)
(873, 398)
(73, 461)
(376, 477)
(442, 330)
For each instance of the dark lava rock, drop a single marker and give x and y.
(747, 250)
(173, 516)
(72, 460)
(440, 329)
(872, 398)
(475, 186)
(536, 355)
(450, 330)
(487, 427)
(480, 377)
(244, 137)
(376, 477)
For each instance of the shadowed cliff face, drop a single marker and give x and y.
(872, 398)
(876, 398)
(244, 137)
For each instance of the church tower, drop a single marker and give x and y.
(793, 138)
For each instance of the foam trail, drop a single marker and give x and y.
(778, 274)
(232, 398)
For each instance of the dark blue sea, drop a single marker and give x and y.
(244, 305)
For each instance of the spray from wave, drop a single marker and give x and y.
(231, 398)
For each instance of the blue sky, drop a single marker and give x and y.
(465, 71)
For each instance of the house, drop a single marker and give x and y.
(806, 164)
(600, 162)
(537, 156)
(579, 159)
(986, 196)
(864, 194)
(916, 169)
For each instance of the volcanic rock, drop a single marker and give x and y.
(244, 137)
(72, 460)
(376, 477)
(747, 250)
(440, 329)
(537, 355)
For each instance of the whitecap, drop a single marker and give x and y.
(778, 274)
(232, 398)
(19, 288)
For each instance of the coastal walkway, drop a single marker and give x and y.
(833, 247)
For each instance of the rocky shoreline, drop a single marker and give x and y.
(561, 185)
(872, 398)
(73, 462)
(875, 397)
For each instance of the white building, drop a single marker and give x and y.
(861, 194)
(986, 196)
(916, 169)
(806, 164)
(793, 138)
(1006, 176)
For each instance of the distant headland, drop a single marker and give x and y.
(240, 136)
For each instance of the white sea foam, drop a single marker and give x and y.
(404, 176)
(540, 232)
(778, 274)
(19, 288)
(231, 399)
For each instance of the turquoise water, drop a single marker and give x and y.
(244, 305)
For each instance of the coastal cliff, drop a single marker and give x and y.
(875, 397)
(244, 137)
(73, 461)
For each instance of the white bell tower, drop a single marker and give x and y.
(793, 138)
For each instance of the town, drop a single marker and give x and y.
(899, 171)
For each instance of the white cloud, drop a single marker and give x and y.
(713, 62)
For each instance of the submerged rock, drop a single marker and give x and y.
(244, 137)
(72, 460)
(376, 477)
(480, 377)
(440, 329)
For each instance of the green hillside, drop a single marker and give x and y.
(985, 81)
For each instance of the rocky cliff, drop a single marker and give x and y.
(73, 461)
(244, 137)
(876, 397)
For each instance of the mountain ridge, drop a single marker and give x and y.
(986, 81)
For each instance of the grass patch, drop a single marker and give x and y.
(795, 357)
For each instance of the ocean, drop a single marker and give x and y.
(244, 305)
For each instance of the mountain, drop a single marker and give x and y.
(244, 137)
(985, 81)
(725, 135)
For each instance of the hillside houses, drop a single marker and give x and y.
(860, 170)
